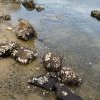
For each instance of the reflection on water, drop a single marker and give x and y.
(66, 27)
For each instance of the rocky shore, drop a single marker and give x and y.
(25, 72)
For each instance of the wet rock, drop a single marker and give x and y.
(46, 81)
(23, 55)
(6, 48)
(52, 61)
(63, 93)
(69, 77)
(24, 30)
(95, 14)
(39, 8)
(29, 4)
(4, 17)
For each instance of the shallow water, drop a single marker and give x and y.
(65, 27)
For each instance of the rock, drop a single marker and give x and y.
(24, 30)
(29, 4)
(63, 93)
(52, 62)
(39, 8)
(95, 14)
(6, 48)
(46, 81)
(69, 77)
(7, 17)
(23, 55)
(4, 17)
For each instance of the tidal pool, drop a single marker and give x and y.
(64, 27)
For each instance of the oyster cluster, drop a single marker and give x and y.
(46, 81)
(52, 61)
(24, 30)
(69, 77)
(6, 48)
(57, 78)
(23, 55)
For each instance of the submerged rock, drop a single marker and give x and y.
(69, 77)
(24, 30)
(39, 8)
(23, 55)
(29, 4)
(46, 81)
(4, 17)
(52, 61)
(6, 48)
(63, 93)
(95, 14)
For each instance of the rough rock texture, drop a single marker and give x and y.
(6, 48)
(63, 93)
(46, 81)
(4, 17)
(69, 77)
(23, 55)
(29, 4)
(52, 61)
(24, 30)
(95, 14)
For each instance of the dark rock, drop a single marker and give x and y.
(69, 77)
(6, 48)
(63, 93)
(46, 81)
(52, 61)
(5, 17)
(29, 4)
(23, 55)
(95, 14)
(24, 30)
(39, 8)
